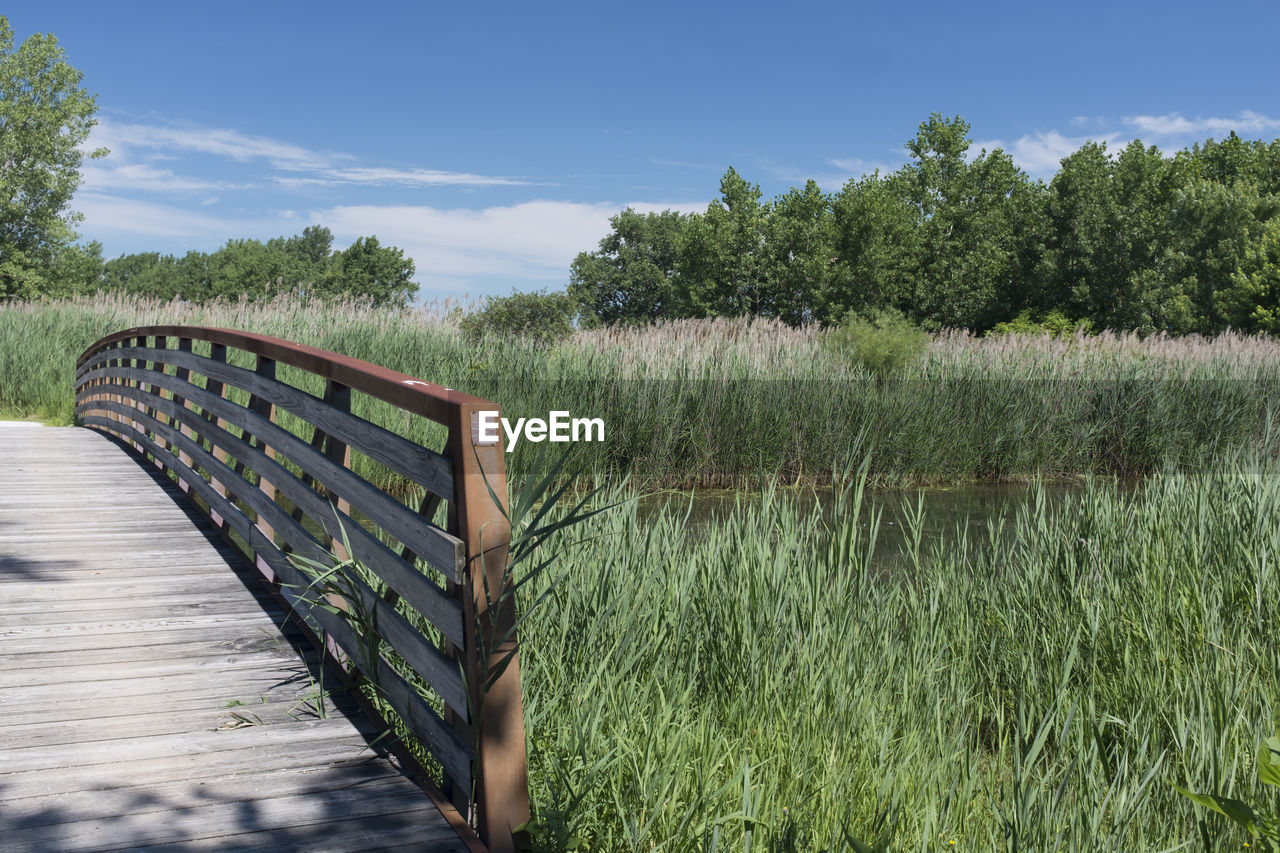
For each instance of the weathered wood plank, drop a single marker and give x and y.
(44, 708)
(148, 670)
(42, 804)
(295, 822)
(120, 675)
(304, 752)
(247, 634)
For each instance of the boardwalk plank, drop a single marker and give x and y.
(127, 642)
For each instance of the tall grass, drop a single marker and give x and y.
(721, 402)
(759, 685)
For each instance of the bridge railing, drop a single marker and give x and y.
(270, 462)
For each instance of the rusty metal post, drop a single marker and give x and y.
(501, 771)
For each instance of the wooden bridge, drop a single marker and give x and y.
(215, 633)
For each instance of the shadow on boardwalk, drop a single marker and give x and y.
(149, 698)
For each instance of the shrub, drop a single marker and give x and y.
(1055, 324)
(544, 318)
(881, 342)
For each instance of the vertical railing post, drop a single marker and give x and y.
(266, 368)
(338, 396)
(217, 353)
(501, 774)
(183, 373)
(117, 397)
(161, 343)
(135, 384)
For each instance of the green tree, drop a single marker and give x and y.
(76, 269)
(631, 277)
(1220, 256)
(307, 258)
(877, 234)
(145, 274)
(1081, 214)
(800, 258)
(45, 115)
(1108, 221)
(1235, 159)
(1255, 285)
(975, 218)
(249, 268)
(722, 262)
(369, 270)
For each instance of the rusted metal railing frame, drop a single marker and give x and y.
(501, 799)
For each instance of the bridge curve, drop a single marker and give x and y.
(251, 438)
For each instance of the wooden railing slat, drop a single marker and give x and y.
(416, 589)
(437, 547)
(440, 672)
(425, 467)
(241, 465)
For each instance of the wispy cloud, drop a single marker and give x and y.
(833, 175)
(1041, 153)
(231, 144)
(415, 177)
(1174, 124)
(853, 168)
(532, 241)
(684, 164)
(289, 165)
(142, 177)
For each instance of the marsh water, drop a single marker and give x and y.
(949, 514)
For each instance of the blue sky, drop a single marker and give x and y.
(492, 141)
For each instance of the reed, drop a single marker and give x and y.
(725, 402)
(757, 683)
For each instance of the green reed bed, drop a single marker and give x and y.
(727, 402)
(758, 684)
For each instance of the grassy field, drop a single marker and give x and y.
(756, 685)
(732, 403)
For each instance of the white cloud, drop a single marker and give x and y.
(220, 142)
(535, 239)
(302, 166)
(141, 177)
(1173, 124)
(522, 246)
(659, 207)
(416, 177)
(112, 219)
(852, 168)
(1040, 154)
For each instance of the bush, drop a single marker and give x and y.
(544, 318)
(1055, 324)
(881, 342)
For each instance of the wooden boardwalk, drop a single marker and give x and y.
(148, 696)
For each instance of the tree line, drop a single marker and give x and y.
(1122, 239)
(305, 265)
(45, 118)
